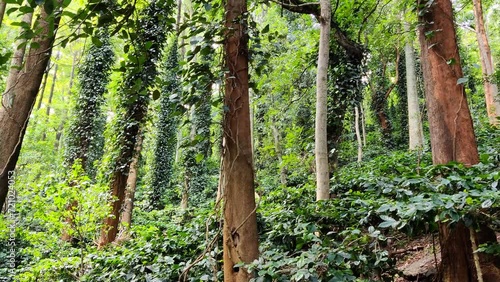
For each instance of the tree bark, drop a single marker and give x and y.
(416, 132)
(321, 149)
(126, 218)
(16, 64)
(42, 88)
(240, 239)
(358, 134)
(152, 29)
(490, 88)
(363, 126)
(3, 5)
(14, 119)
(451, 128)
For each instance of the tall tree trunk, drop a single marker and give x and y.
(363, 126)
(51, 95)
(42, 88)
(152, 31)
(14, 119)
(3, 5)
(358, 134)
(321, 148)
(128, 206)
(240, 222)
(451, 129)
(16, 64)
(415, 129)
(490, 88)
(279, 154)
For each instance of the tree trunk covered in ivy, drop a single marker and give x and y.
(452, 135)
(16, 108)
(240, 238)
(401, 108)
(344, 92)
(196, 155)
(381, 88)
(490, 88)
(85, 134)
(133, 105)
(166, 138)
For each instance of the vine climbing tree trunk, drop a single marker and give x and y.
(452, 134)
(133, 106)
(240, 237)
(16, 108)
(320, 137)
(416, 132)
(490, 88)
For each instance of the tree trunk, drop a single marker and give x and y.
(152, 30)
(415, 129)
(52, 88)
(14, 119)
(321, 149)
(363, 126)
(277, 146)
(3, 5)
(358, 134)
(240, 237)
(16, 64)
(451, 129)
(490, 88)
(126, 217)
(42, 88)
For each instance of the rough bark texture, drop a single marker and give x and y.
(128, 206)
(414, 119)
(321, 147)
(490, 89)
(3, 5)
(451, 129)
(14, 119)
(133, 106)
(16, 63)
(240, 222)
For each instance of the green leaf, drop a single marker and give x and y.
(96, 41)
(486, 204)
(156, 94)
(462, 80)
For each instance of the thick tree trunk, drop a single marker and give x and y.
(119, 177)
(14, 119)
(321, 148)
(358, 134)
(240, 237)
(16, 64)
(490, 88)
(414, 119)
(126, 217)
(451, 129)
(152, 30)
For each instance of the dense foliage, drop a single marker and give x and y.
(378, 205)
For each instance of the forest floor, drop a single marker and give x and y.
(418, 259)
